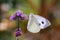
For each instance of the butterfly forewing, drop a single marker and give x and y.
(33, 25)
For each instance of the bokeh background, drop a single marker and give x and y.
(49, 9)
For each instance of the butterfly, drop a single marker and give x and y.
(36, 23)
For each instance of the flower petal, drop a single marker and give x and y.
(18, 13)
(24, 17)
(12, 17)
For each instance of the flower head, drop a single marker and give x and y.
(19, 14)
(18, 32)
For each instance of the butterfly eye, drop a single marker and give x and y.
(42, 22)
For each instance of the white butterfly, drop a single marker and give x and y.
(36, 23)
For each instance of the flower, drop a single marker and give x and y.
(12, 17)
(18, 32)
(24, 17)
(19, 12)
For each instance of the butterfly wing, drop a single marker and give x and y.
(33, 24)
(43, 21)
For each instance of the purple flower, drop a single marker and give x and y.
(24, 17)
(12, 17)
(19, 13)
(18, 32)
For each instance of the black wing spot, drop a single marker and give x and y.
(42, 22)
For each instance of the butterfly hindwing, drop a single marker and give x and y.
(43, 21)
